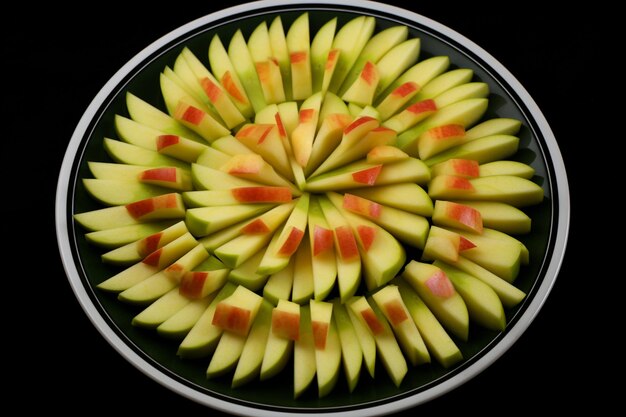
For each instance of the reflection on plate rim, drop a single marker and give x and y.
(560, 238)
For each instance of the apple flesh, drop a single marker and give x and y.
(236, 313)
(286, 320)
(455, 215)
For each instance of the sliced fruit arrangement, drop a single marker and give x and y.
(325, 200)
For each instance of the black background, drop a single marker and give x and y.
(56, 62)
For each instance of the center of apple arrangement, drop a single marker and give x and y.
(294, 228)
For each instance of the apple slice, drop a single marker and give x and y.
(227, 353)
(161, 310)
(237, 312)
(278, 42)
(264, 139)
(119, 236)
(385, 154)
(203, 336)
(252, 167)
(447, 213)
(496, 126)
(362, 91)
(321, 54)
(300, 55)
(303, 135)
(438, 139)
(251, 359)
(466, 168)
(224, 71)
(286, 320)
(501, 216)
(346, 250)
(462, 92)
(241, 60)
(397, 60)
(178, 325)
(247, 274)
(390, 302)
(304, 364)
(410, 116)
(186, 263)
(126, 153)
(516, 191)
(279, 284)
(445, 245)
(198, 284)
(323, 255)
(117, 193)
(202, 221)
(483, 304)
(439, 343)
(351, 352)
(327, 139)
(278, 349)
(302, 288)
(444, 82)
(267, 67)
(238, 195)
(515, 168)
(396, 99)
(408, 197)
(483, 150)
(327, 346)
(422, 73)
(435, 288)
(205, 178)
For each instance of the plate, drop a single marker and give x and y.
(155, 356)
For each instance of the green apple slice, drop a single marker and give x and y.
(226, 355)
(126, 153)
(304, 368)
(396, 61)
(303, 278)
(497, 126)
(203, 221)
(148, 115)
(203, 336)
(323, 255)
(117, 193)
(351, 353)
(461, 92)
(267, 68)
(390, 303)
(483, 304)
(247, 274)
(278, 349)
(179, 324)
(279, 284)
(299, 47)
(443, 82)
(161, 310)
(281, 53)
(320, 47)
(249, 364)
(408, 197)
(501, 216)
(365, 339)
(439, 343)
(515, 168)
(244, 67)
(434, 287)
(327, 346)
(482, 150)
(350, 40)
(119, 236)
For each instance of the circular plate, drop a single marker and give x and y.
(156, 356)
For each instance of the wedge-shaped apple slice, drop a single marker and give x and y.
(381, 254)
(304, 364)
(237, 312)
(501, 216)
(225, 72)
(482, 150)
(350, 40)
(278, 286)
(496, 126)
(175, 90)
(462, 92)
(444, 82)
(120, 236)
(346, 250)
(387, 346)
(407, 227)
(200, 283)
(289, 237)
(203, 336)
(420, 74)
(239, 195)
(280, 52)
(459, 216)
(483, 304)
(327, 139)
(254, 168)
(357, 140)
(126, 153)
(243, 64)
(411, 115)
(161, 310)
(323, 257)
(264, 139)
(464, 113)
(362, 174)
(445, 245)
(515, 168)
(365, 339)
(500, 256)
(226, 355)
(205, 178)
(249, 364)
(246, 274)
(327, 346)
(267, 67)
(255, 236)
(390, 302)
(119, 192)
(203, 221)
(437, 291)
(183, 75)
(438, 342)
(178, 325)
(375, 48)
(362, 91)
(351, 353)
(168, 177)
(303, 278)
(285, 329)
(303, 135)
(299, 46)
(217, 96)
(186, 263)
(331, 104)
(438, 139)
(139, 249)
(466, 168)
(516, 191)
(148, 115)
(397, 60)
(155, 140)
(160, 283)
(214, 158)
(408, 197)
(396, 99)
(167, 206)
(321, 46)
(198, 118)
(385, 154)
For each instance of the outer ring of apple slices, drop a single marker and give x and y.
(94, 308)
